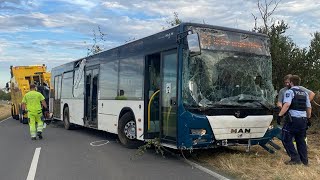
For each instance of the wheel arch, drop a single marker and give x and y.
(124, 111)
(65, 105)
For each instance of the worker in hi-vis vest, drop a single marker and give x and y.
(32, 101)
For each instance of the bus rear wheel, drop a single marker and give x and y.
(127, 131)
(66, 119)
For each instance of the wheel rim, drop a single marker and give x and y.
(130, 130)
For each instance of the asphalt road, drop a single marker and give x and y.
(75, 154)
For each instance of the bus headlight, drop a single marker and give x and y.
(200, 132)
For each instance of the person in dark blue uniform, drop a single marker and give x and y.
(286, 81)
(297, 109)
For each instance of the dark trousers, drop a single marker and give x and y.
(297, 130)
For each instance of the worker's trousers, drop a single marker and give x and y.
(33, 120)
(297, 130)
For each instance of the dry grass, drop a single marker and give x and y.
(259, 164)
(5, 111)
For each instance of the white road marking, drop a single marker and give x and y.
(206, 170)
(34, 164)
(99, 143)
(5, 120)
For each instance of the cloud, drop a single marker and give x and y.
(16, 5)
(33, 21)
(122, 20)
(18, 23)
(114, 5)
(305, 6)
(83, 4)
(47, 57)
(2, 45)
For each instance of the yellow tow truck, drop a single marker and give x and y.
(19, 85)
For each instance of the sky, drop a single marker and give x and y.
(54, 32)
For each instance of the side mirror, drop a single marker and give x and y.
(194, 44)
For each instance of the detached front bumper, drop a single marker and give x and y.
(267, 139)
(266, 142)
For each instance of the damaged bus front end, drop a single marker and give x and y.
(226, 89)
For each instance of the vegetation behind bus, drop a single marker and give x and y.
(4, 95)
(287, 56)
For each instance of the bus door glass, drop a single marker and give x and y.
(168, 95)
(152, 96)
(91, 97)
(57, 97)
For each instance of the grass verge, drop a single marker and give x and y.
(259, 164)
(5, 111)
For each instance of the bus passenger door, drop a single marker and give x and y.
(168, 96)
(91, 97)
(57, 97)
(152, 96)
(161, 96)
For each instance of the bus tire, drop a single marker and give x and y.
(66, 119)
(127, 131)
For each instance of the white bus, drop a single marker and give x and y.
(191, 86)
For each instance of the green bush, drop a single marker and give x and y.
(4, 95)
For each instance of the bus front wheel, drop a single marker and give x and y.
(127, 131)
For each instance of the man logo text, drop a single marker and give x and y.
(240, 130)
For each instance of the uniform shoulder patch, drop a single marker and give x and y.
(287, 95)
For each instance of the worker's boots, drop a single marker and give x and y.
(33, 138)
(39, 134)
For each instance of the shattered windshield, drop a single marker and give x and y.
(225, 78)
(234, 69)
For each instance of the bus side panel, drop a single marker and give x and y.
(108, 115)
(75, 110)
(61, 111)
